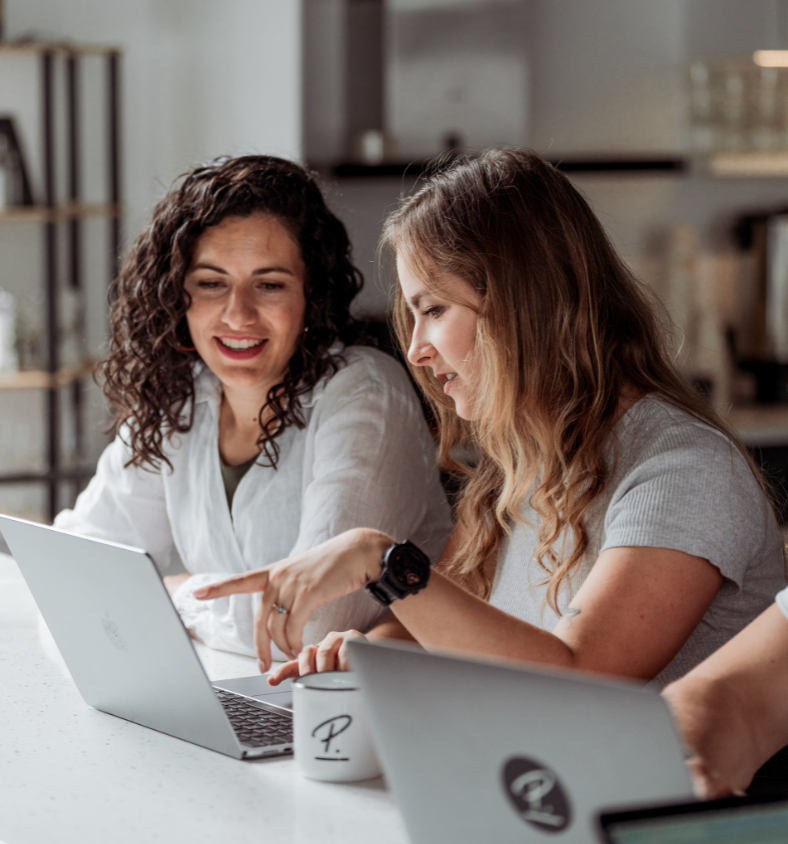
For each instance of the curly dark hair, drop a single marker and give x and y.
(147, 377)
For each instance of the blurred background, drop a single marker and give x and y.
(666, 114)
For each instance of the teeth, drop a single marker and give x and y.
(239, 344)
(451, 376)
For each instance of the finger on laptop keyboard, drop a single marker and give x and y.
(295, 620)
(262, 640)
(276, 630)
(286, 671)
(326, 652)
(307, 660)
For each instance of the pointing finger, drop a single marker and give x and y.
(253, 581)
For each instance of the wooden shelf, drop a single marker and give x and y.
(61, 48)
(745, 165)
(58, 214)
(40, 380)
(764, 425)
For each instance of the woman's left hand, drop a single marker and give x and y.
(328, 655)
(294, 588)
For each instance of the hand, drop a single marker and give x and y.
(302, 584)
(328, 655)
(173, 581)
(706, 784)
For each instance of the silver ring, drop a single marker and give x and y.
(280, 609)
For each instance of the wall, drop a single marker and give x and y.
(201, 78)
(604, 77)
(457, 72)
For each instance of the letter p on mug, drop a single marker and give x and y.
(333, 740)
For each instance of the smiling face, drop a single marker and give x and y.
(444, 332)
(246, 283)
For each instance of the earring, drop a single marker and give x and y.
(184, 346)
(306, 329)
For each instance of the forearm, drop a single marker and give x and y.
(390, 628)
(443, 616)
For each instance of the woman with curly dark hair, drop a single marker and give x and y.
(248, 425)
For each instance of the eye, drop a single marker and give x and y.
(205, 284)
(435, 311)
(271, 285)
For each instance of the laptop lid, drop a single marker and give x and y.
(476, 751)
(119, 634)
(731, 820)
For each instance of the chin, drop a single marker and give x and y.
(238, 376)
(464, 412)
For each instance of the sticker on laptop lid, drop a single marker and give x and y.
(537, 794)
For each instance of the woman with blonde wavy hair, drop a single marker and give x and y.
(612, 522)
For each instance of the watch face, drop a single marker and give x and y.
(409, 566)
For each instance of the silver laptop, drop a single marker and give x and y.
(479, 752)
(128, 651)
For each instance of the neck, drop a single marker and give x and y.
(241, 408)
(629, 395)
(239, 423)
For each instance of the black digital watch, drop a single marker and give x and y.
(404, 570)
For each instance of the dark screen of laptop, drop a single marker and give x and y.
(751, 824)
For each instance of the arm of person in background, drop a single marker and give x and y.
(732, 709)
(630, 617)
(123, 504)
(372, 463)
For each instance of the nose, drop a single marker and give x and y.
(240, 311)
(421, 351)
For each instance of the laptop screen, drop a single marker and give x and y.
(731, 823)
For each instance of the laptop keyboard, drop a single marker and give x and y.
(255, 727)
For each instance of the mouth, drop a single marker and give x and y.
(448, 377)
(240, 348)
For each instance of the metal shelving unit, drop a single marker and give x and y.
(51, 215)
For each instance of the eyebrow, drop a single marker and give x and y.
(259, 271)
(414, 300)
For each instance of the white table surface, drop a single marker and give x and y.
(69, 773)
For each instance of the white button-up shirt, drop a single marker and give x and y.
(364, 459)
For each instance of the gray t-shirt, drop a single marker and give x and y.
(675, 483)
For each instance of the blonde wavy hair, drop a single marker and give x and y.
(564, 330)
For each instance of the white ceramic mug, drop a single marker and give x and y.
(332, 736)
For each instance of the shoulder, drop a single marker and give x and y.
(677, 482)
(364, 370)
(653, 428)
(668, 460)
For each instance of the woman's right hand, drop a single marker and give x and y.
(294, 588)
(328, 655)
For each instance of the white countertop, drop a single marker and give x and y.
(69, 773)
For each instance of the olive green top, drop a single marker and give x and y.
(231, 476)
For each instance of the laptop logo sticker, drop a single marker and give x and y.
(537, 794)
(327, 732)
(113, 633)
